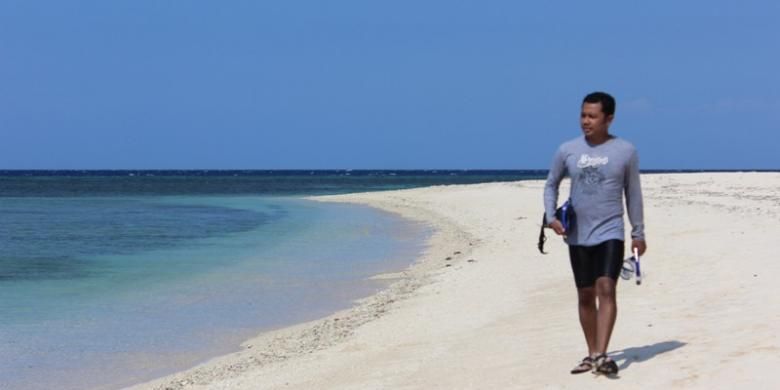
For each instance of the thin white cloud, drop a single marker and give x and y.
(637, 106)
(744, 105)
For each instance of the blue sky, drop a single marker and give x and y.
(395, 84)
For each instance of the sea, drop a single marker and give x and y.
(111, 278)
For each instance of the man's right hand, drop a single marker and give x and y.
(557, 226)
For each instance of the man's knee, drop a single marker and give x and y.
(586, 296)
(605, 288)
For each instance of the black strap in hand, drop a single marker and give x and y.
(542, 237)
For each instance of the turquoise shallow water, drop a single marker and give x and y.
(105, 291)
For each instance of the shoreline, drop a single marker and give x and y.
(304, 338)
(499, 315)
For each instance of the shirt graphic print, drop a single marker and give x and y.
(591, 176)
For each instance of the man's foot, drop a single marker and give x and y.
(585, 365)
(605, 365)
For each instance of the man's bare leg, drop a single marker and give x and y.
(588, 317)
(607, 312)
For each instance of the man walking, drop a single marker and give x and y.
(602, 169)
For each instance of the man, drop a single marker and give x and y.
(602, 168)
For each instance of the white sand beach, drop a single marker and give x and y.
(483, 309)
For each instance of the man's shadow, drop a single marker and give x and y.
(626, 357)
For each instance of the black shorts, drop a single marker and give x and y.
(592, 262)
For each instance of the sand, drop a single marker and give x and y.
(482, 309)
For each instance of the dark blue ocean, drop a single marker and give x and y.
(109, 278)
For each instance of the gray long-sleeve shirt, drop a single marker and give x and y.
(600, 175)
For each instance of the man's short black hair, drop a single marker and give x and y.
(606, 100)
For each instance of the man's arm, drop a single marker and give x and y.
(557, 173)
(634, 204)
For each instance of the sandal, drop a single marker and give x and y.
(585, 365)
(605, 365)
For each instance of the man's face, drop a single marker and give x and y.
(593, 121)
